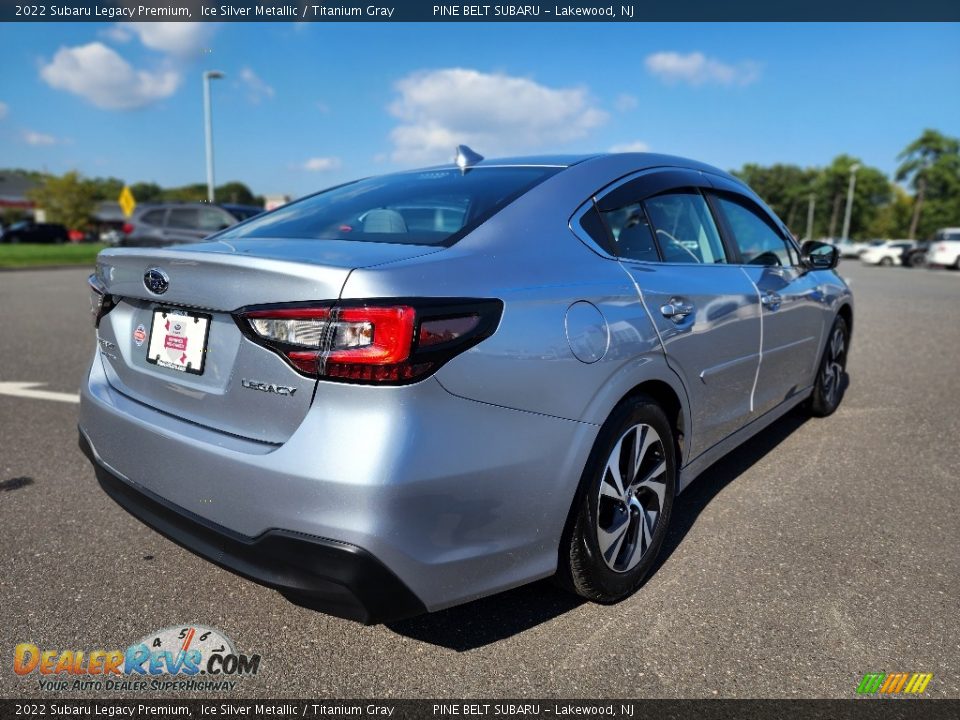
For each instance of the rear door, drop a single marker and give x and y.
(794, 311)
(706, 310)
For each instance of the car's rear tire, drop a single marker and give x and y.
(886, 262)
(828, 389)
(622, 508)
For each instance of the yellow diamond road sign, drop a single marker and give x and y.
(127, 203)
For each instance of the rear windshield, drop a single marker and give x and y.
(430, 207)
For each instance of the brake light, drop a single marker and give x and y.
(127, 228)
(100, 302)
(372, 343)
(941, 248)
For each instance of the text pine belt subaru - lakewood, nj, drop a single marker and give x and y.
(414, 390)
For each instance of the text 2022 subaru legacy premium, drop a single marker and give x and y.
(414, 390)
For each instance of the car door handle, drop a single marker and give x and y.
(771, 300)
(676, 309)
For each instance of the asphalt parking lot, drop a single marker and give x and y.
(820, 551)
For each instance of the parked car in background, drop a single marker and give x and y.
(945, 248)
(171, 223)
(411, 391)
(915, 256)
(111, 236)
(887, 253)
(27, 231)
(848, 248)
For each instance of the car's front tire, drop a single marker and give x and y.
(622, 509)
(828, 389)
(886, 262)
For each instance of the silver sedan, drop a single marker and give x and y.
(414, 390)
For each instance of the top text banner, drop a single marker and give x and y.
(422, 11)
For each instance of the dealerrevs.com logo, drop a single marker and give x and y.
(896, 683)
(179, 658)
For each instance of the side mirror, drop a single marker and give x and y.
(816, 255)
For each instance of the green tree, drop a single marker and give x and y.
(931, 165)
(893, 219)
(106, 188)
(234, 192)
(873, 191)
(146, 192)
(785, 188)
(68, 199)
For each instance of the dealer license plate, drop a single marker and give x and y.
(178, 340)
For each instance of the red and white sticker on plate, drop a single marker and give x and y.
(178, 340)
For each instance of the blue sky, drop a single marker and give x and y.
(306, 106)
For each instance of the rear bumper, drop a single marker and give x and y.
(335, 577)
(453, 497)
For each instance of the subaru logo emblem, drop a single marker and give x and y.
(156, 281)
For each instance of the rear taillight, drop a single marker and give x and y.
(127, 228)
(372, 342)
(941, 248)
(100, 302)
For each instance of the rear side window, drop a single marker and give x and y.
(430, 207)
(154, 217)
(212, 219)
(684, 228)
(182, 218)
(758, 242)
(632, 234)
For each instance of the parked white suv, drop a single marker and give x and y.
(888, 253)
(945, 248)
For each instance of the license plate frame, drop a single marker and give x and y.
(196, 325)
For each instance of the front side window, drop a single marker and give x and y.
(428, 207)
(684, 228)
(758, 242)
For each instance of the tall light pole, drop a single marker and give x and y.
(209, 75)
(811, 203)
(846, 215)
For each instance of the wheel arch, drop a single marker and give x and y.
(846, 312)
(669, 401)
(671, 397)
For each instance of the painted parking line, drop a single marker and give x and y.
(27, 390)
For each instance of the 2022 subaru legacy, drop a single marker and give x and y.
(414, 390)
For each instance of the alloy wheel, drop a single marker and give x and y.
(631, 497)
(833, 367)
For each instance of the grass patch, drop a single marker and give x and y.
(38, 255)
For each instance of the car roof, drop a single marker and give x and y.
(637, 161)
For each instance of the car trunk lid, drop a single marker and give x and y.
(240, 388)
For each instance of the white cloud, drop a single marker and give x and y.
(98, 74)
(322, 164)
(118, 33)
(625, 102)
(4, 109)
(492, 112)
(257, 89)
(175, 38)
(31, 137)
(636, 146)
(697, 69)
